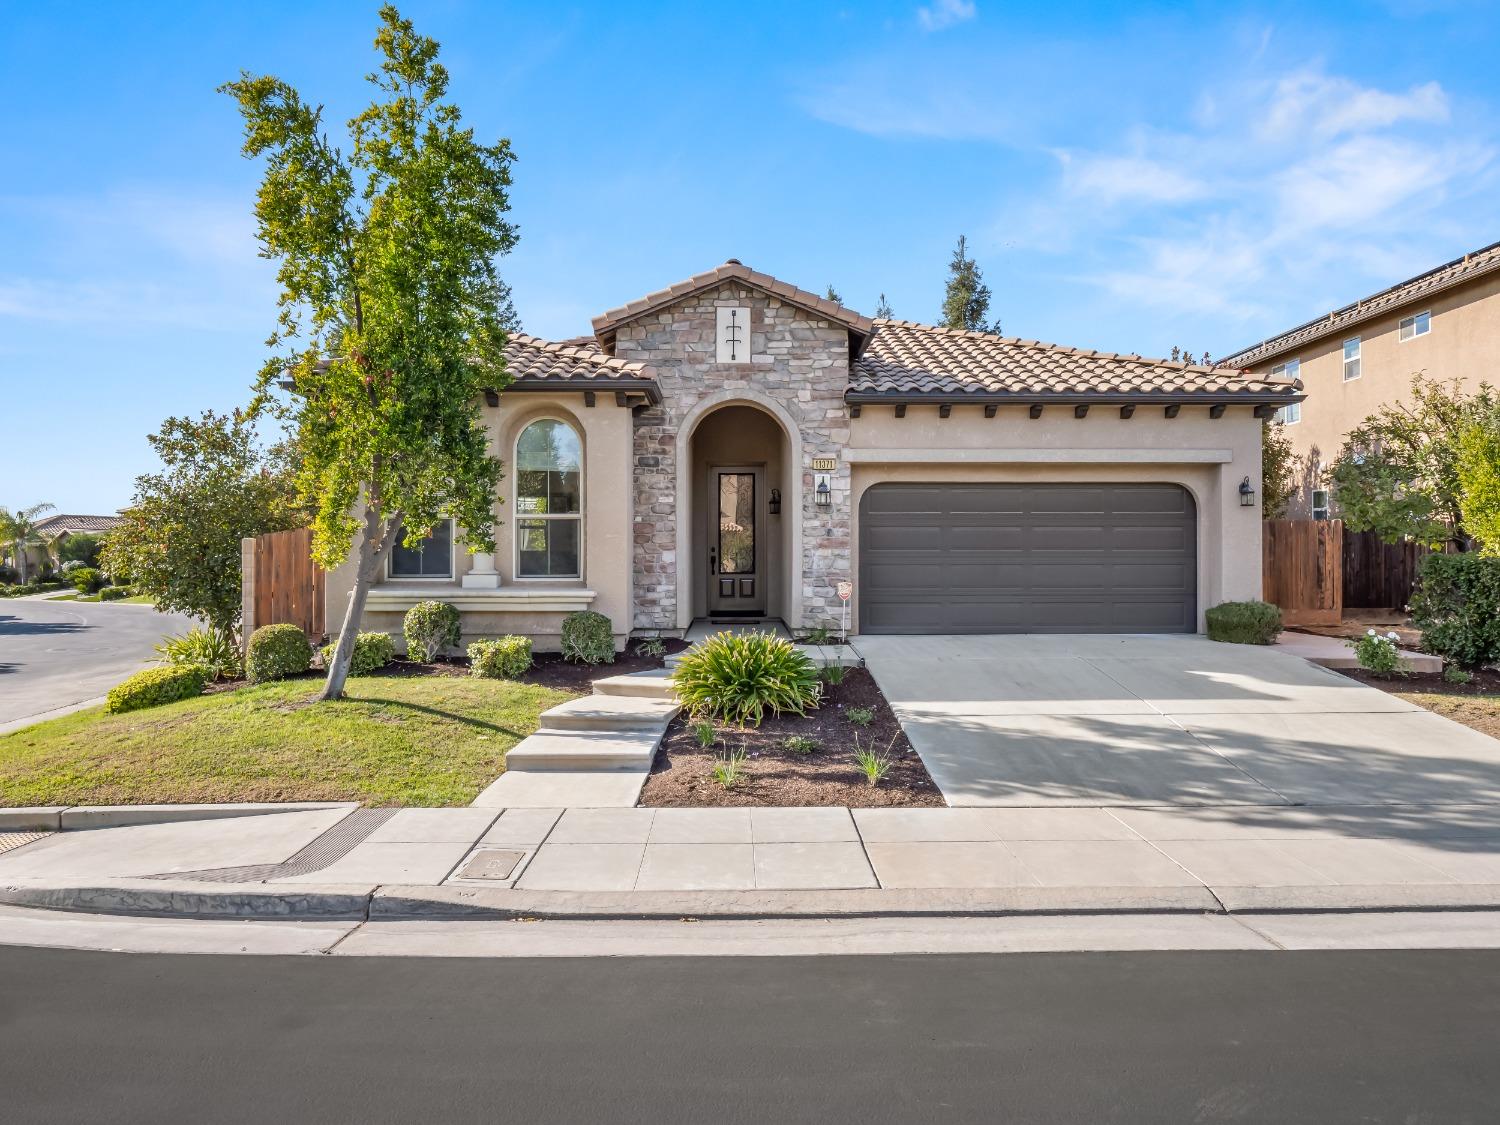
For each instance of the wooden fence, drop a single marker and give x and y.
(1303, 569)
(1379, 575)
(281, 584)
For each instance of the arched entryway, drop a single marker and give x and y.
(739, 534)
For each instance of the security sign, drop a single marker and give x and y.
(846, 591)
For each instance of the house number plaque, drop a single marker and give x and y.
(825, 464)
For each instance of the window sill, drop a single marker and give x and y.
(520, 598)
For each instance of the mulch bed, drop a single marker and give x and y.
(1473, 704)
(681, 776)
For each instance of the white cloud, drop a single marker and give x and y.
(1117, 179)
(1310, 103)
(942, 14)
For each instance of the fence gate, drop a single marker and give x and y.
(1303, 570)
(281, 584)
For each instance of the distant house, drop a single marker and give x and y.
(55, 529)
(1444, 323)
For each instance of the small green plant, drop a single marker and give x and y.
(819, 635)
(213, 650)
(430, 627)
(833, 674)
(1376, 653)
(800, 744)
(85, 579)
(372, 652)
(155, 686)
(874, 764)
(504, 658)
(1243, 623)
(706, 734)
(860, 716)
(651, 646)
(1453, 674)
(276, 652)
(588, 637)
(738, 677)
(729, 767)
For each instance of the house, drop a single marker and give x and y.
(1443, 324)
(734, 447)
(54, 529)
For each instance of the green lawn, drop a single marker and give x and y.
(429, 740)
(136, 599)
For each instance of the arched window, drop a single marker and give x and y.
(549, 501)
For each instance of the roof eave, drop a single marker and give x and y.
(1075, 398)
(578, 386)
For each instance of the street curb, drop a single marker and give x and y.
(161, 898)
(63, 818)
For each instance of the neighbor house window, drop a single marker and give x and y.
(1413, 326)
(1351, 359)
(1320, 503)
(1290, 414)
(1291, 369)
(549, 501)
(432, 557)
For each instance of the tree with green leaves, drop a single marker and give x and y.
(1479, 481)
(82, 548)
(833, 295)
(883, 309)
(180, 539)
(966, 303)
(1398, 471)
(393, 316)
(18, 531)
(1279, 469)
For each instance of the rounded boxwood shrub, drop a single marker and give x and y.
(504, 658)
(372, 652)
(738, 677)
(430, 627)
(156, 686)
(588, 637)
(114, 593)
(1244, 623)
(85, 579)
(276, 652)
(1456, 604)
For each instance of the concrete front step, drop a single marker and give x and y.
(577, 750)
(821, 656)
(623, 713)
(655, 684)
(556, 789)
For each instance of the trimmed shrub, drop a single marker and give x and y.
(20, 591)
(210, 649)
(156, 686)
(429, 628)
(740, 676)
(372, 652)
(9, 575)
(1456, 604)
(276, 652)
(505, 658)
(85, 579)
(588, 637)
(115, 593)
(1244, 623)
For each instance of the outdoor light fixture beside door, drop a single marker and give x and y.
(1247, 494)
(774, 504)
(823, 493)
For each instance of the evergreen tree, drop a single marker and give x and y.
(834, 296)
(967, 301)
(883, 310)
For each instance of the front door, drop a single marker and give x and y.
(736, 547)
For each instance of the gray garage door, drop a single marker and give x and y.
(1012, 558)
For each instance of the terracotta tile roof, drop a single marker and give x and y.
(921, 361)
(732, 270)
(1419, 288)
(533, 360)
(54, 525)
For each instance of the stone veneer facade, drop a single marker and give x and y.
(798, 359)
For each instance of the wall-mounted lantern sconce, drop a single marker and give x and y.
(1247, 494)
(775, 502)
(823, 493)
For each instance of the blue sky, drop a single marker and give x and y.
(1131, 177)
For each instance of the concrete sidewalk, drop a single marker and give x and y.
(338, 862)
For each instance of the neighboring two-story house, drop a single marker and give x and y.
(1443, 324)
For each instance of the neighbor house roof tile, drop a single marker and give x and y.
(53, 525)
(919, 360)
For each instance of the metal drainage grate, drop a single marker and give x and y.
(324, 851)
(10, 841)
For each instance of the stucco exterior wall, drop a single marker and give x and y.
(1464, 344)
(798, 365)
(1207, 456)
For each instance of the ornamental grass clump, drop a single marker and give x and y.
(738, 677)
(213, 650)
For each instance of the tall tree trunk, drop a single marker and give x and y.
(374, 539)
(21, 561)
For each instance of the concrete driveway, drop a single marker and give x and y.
(1143, 720)
(57, 654)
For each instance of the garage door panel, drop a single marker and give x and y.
(988, 558)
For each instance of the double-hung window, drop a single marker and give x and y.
(1291, 413)
(1413, 326)
(549, 501)
(1352, 369)
(432, 557)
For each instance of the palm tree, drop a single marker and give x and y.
(18, 529)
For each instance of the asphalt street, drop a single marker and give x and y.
(53, 654)
(1141, 1037)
